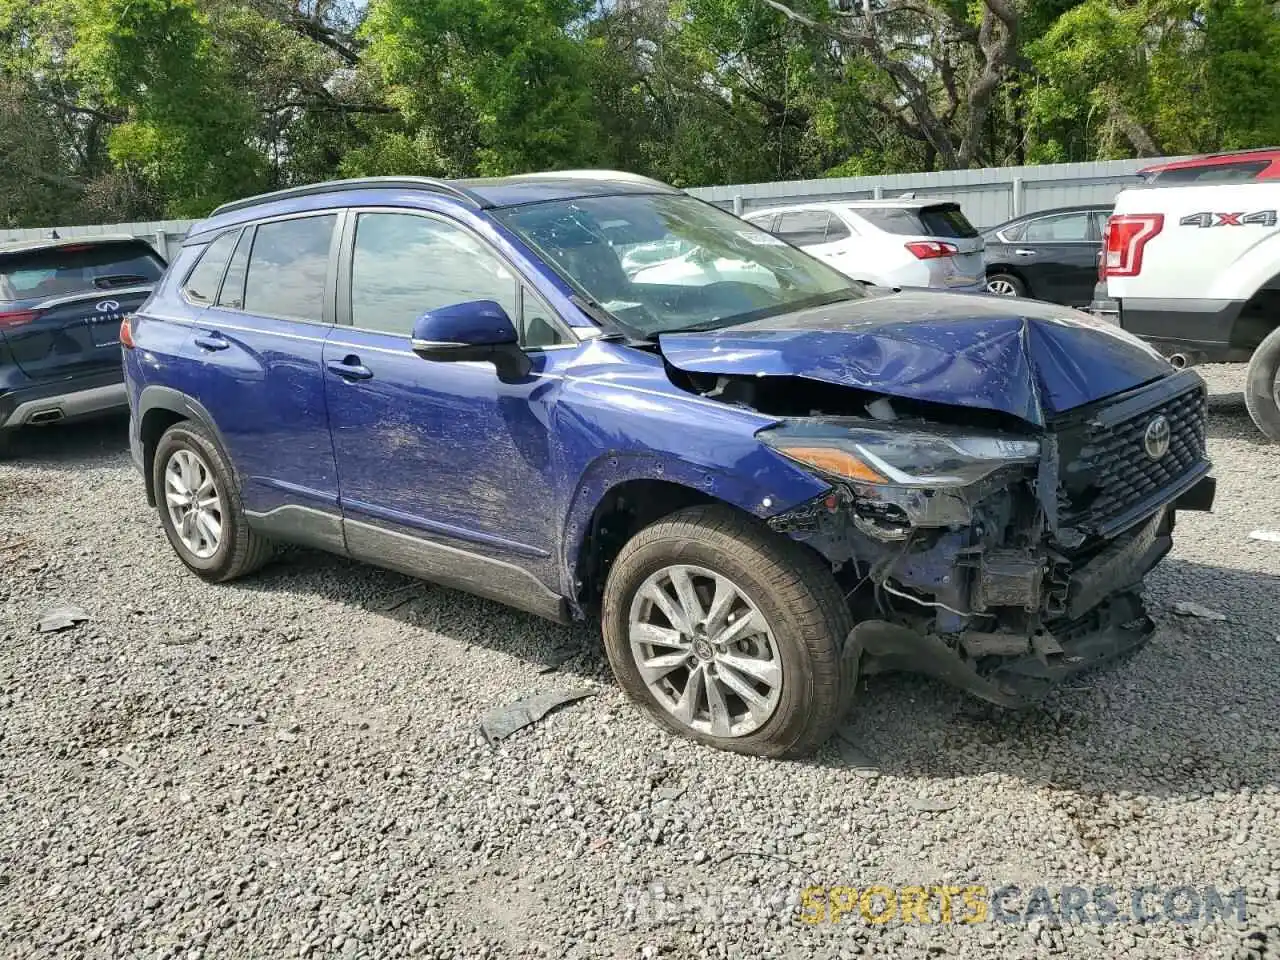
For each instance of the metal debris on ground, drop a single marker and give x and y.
(926, 805)
(859, 763)
(559, 657)
(501, 722)
(1186, 608)
(62, 617)
(1269, 536)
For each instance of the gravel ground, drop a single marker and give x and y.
(290, 765)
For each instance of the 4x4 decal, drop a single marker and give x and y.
(1261, 218)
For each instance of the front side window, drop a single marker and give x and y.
(287, 268)
(404, 265)
(714, 269)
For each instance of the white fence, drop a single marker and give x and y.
(988, 196)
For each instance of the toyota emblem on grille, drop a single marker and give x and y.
(1156, 438)
(107, 306)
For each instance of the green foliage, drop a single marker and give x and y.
(1156, 76)
(127, 109)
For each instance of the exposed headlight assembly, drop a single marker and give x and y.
(899, 456)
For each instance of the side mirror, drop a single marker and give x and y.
(474, 330)
(459, 327)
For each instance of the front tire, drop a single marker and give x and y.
(1261, 387)
(200, 508)
(728, 633)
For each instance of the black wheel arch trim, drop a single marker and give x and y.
(157, 397)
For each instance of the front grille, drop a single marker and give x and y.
(1107, 479)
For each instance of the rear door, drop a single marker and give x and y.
(61, 307)
(254, 362)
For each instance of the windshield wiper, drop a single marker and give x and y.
(597, 312)
(107, 281)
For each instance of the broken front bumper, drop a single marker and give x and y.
(1044, 620)
(1114, 631)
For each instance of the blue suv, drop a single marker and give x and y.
(590, 394)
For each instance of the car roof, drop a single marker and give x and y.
(1212, 159)
(892, 202)
(29, 246)
(478, 193)
(1052, 211)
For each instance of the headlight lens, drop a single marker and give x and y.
(902, 456)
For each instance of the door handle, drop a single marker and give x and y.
(212, 341)
(1024, 253)
(350, 368)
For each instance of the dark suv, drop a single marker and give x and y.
(762, 477)
(61, 304)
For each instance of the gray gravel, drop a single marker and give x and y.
(291, 765)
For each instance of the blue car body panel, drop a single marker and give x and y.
(511, 470)
(1028, 359)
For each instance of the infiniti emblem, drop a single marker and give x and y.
(1155, 440)
(107, 306)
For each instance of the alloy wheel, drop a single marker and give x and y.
(194, 503)
(705, 651)
(1001, 288)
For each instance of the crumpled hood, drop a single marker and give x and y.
(1030, 359)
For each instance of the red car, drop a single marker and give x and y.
(1261, 164)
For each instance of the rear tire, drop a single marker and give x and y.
(200, 509)
(1260, 388)
(1005, 285)
(784, 590)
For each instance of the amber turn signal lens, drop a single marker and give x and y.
(837, 462)
(126, 332)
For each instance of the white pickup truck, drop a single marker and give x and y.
(1195, 271)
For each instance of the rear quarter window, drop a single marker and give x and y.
(202, 282)
(70, 270)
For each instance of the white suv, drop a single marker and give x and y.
(891, 243)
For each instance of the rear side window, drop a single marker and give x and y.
(939, 220)
(75, 269)
(202, 282)
(288, 267)
(803, 228)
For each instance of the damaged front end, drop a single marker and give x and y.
(1002, 561)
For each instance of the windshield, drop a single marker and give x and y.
(661, 262)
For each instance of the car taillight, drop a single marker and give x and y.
(16, 318)
(126, 332)
(1126, 237)
(932, 249)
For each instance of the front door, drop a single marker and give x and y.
(1060, 255)
(445, 471)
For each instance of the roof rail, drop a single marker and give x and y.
(593, 174)
(358, 183)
